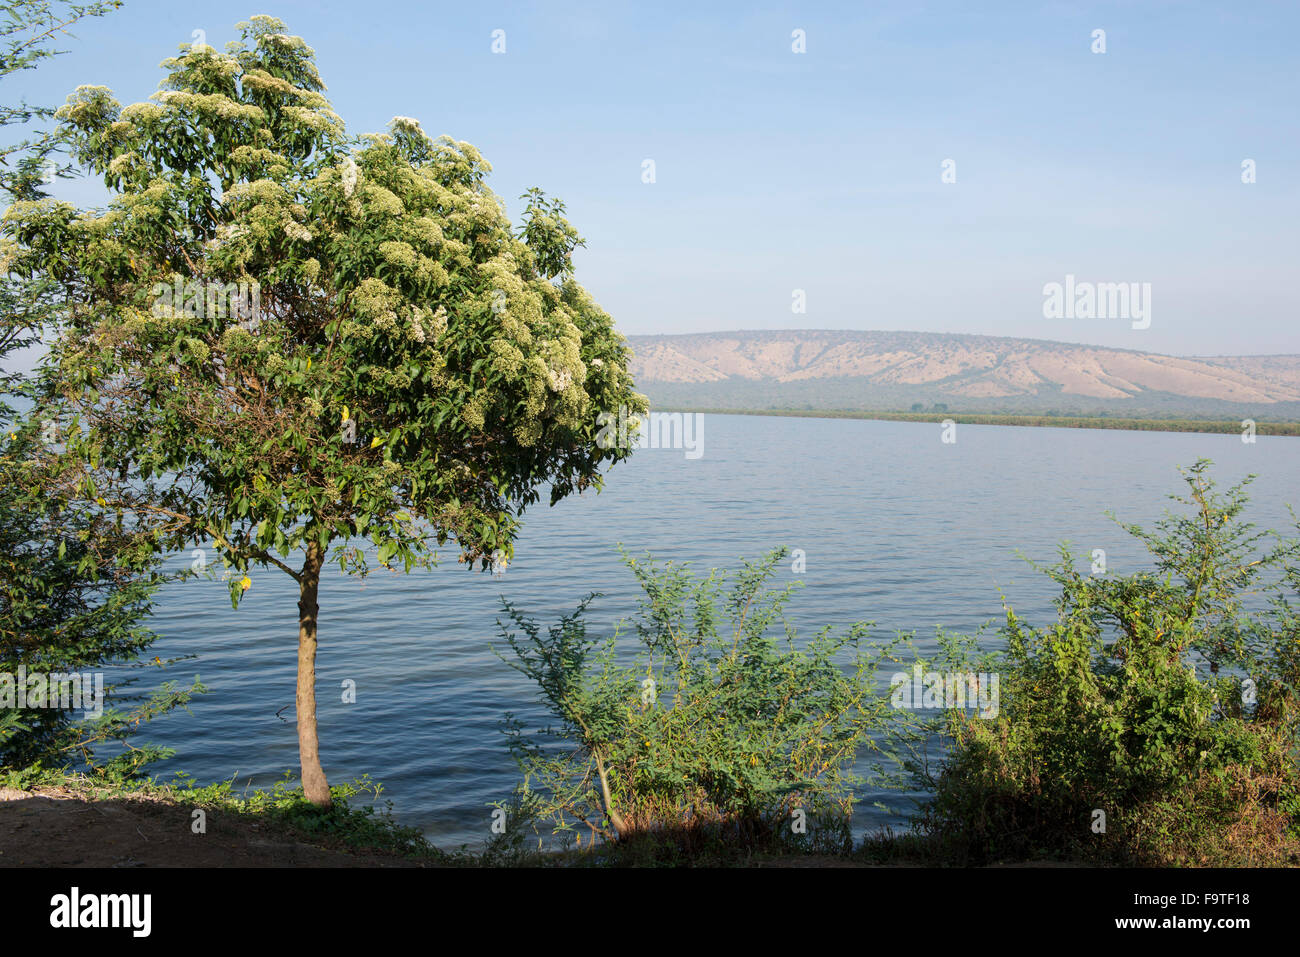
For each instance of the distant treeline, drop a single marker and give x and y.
(854, 394)
(1049, 421)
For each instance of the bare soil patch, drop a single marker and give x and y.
(51, 827)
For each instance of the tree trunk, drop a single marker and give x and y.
(314, 785)
(620, 826)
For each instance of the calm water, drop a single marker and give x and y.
(899, 529)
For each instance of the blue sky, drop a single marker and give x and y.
(821, 171)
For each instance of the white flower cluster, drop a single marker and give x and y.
(349, 176)
(123, 163)
(439, 323)
(297, 231)
(559, 379)
(143, 113)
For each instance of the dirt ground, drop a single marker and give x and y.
(49, 827)
(53, 827)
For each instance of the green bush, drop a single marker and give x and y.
(1137, 703)
(719, 733)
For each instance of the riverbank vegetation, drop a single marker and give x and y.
(1124, 423)
(1155, 722)
(721, 727)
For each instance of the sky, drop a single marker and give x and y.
(822, 171)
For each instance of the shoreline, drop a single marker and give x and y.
(1120, 423)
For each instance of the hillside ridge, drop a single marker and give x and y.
(884, 369)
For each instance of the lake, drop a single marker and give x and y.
(898, 527)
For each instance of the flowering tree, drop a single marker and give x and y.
(288, 341)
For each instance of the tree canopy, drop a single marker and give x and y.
(290, 340)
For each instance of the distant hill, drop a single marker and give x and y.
(838, 369)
